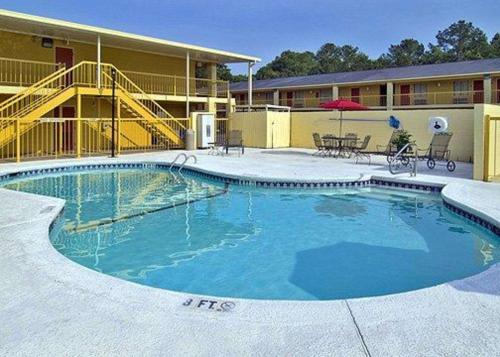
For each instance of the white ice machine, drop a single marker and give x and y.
(205, 130)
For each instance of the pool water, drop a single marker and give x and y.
(181, 233)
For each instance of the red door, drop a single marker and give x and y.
(478, 96)
(355, 95)
(65, 55)
(405, 94)
(65, 132)
(289, 99)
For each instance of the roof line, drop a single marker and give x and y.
(105, 31)
(316, 85)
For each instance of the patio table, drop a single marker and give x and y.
(340, 140)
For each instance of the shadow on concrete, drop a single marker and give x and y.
(290, 153)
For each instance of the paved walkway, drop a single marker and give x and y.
(51, 306)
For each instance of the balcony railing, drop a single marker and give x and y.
(23, 73)
(163, 84)
(380, 101)
(439, 98)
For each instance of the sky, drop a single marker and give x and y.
(265, 28)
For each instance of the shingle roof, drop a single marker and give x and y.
(429, 70)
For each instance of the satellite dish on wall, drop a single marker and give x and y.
(438, 125)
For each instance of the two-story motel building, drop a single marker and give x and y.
(56, 83)
(446, 85)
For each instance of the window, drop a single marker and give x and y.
(420, 90)
(460, 92)
(325, 95)
(299, 99)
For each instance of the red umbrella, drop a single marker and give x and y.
(342, 105)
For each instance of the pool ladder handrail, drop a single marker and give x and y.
(413, 168)
(186, 158)
(185, 161)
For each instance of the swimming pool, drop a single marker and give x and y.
(186, 234)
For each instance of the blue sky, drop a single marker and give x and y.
(265, 28)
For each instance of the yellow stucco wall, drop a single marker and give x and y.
(373, 123)
(28, 47)
(480, 111)
(262, 129)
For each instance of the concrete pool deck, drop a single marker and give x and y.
(51, 306)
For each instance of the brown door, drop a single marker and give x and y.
(405, 94)
(65, 132)
(289, 99)
(355, 95)
(478, 88)
(65, 56)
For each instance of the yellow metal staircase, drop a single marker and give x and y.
(22, 112)
(156, 120)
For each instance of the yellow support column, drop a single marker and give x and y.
(78, 125)
(18, 141)
(486, 149)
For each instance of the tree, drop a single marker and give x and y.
(407, 53)
(240, 78)
(224, 73)
(289, 64)
(332, 58)
(495, 46)
(463, 41)
(435, 54)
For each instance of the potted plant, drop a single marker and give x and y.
(401, 140)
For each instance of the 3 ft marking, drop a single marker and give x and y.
(209, 304)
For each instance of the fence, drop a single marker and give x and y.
(69, 137)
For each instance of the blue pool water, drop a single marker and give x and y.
(185, 234)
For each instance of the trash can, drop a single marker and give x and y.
(190, 143)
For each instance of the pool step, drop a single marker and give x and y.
(179, 200)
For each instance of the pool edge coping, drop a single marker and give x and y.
(178, 295)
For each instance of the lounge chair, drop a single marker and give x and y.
(360, 151)
(438, 151)
(235, 140)
(389, 149)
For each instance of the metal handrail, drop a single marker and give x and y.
(399, 154)
(187, 158)
(175, 160)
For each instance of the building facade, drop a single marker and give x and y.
(446, 85)
(61, 83)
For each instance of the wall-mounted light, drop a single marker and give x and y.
(47, 42)
(439, 84)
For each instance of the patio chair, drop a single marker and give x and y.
(389, 149)
(438, 151)
(350, 143)
(216, 147)
(320, 145)
(360, 151)
(235, 140)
